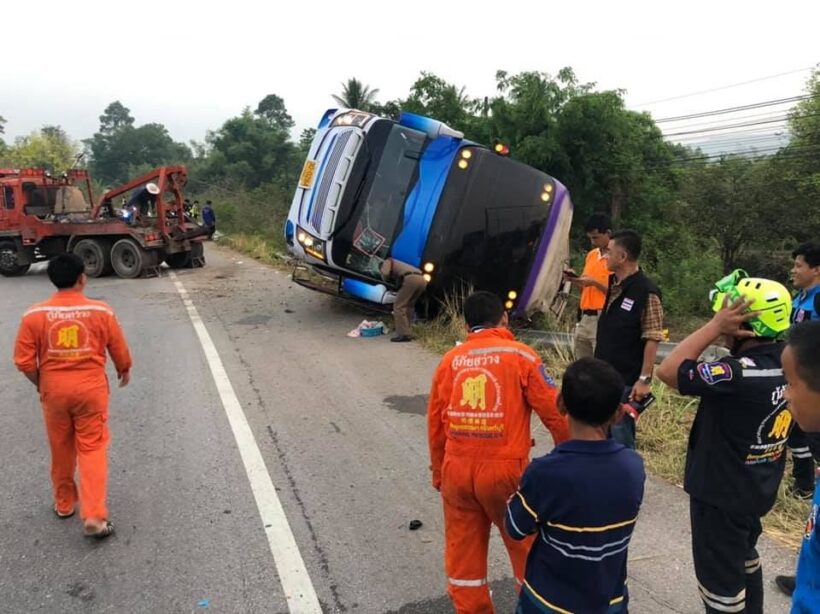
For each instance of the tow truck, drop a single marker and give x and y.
(42, 216)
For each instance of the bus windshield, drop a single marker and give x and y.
(377, 213)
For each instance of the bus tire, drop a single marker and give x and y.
(127, 258)
(8, 261)
(96, 255)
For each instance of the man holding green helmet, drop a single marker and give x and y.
(736, 454)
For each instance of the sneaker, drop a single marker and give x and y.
(786, 584)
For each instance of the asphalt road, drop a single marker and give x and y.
(340, 426)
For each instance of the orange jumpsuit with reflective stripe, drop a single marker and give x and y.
(64, 340)
(478, 424)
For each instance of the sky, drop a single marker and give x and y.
(192, 65)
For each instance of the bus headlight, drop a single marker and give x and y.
(312, 246)
(357, 119)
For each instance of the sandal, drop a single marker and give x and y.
(106, 529)
(64, 514)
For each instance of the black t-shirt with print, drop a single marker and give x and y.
(736, 451)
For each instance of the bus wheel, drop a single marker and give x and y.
(127, 258)
(96, 255)
(8, 261)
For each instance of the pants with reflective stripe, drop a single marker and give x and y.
(804, 448)
(77, 427)
(727, 565)
(475, 496)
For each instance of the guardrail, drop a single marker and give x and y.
(564, 340)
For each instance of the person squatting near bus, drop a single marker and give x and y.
(736, 454)
(478, 425)
(411, 285)
(801, 367)
(630, 328)
(579, 564)
(61, 348)
(804, 446)
(594, 283)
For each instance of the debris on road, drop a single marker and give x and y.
(368, 329)
(415, 525)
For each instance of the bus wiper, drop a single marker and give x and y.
(357, 194)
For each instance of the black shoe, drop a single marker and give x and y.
(401, 338)
(800, 493)
(785, 584)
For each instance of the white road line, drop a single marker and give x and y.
(299, 592)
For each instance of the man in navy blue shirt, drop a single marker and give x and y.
(583, 501)
(801, 366)
(209, 218)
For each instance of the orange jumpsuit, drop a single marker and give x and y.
(64, 340)
(478, 424)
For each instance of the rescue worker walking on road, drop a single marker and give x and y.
(478, 426)
(61, 348)
(737, 445)
(411, 283)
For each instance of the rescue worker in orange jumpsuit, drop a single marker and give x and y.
(478, 426)
(61, 348)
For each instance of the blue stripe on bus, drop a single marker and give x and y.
(421, 204)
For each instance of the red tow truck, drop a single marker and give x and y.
(42, 215)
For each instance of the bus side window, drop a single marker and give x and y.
(9, 197)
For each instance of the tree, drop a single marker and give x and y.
(115, 118)
(729, 201)
(120, 151)
(432, 96)
(249, 151)
(2, 124)
(272, 108)
(356, 95)
(49, 148)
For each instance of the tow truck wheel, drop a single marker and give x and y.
(8, 261)
(96, 255)
(127, 258)
(178, 260)
(197, 253)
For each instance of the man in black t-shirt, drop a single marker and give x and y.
(736, 454)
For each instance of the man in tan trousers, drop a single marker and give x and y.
(411, 283)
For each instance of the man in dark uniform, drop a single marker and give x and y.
(411, 283)
(630, 327)
(737, 445)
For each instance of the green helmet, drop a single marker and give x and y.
(770, 298)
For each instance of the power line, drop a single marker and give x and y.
(741, 125)
(726, 87)
(736, 109)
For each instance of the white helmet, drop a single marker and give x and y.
(152, 188)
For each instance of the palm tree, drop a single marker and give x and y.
(356, 95)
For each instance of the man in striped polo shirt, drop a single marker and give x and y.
(583, 500)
